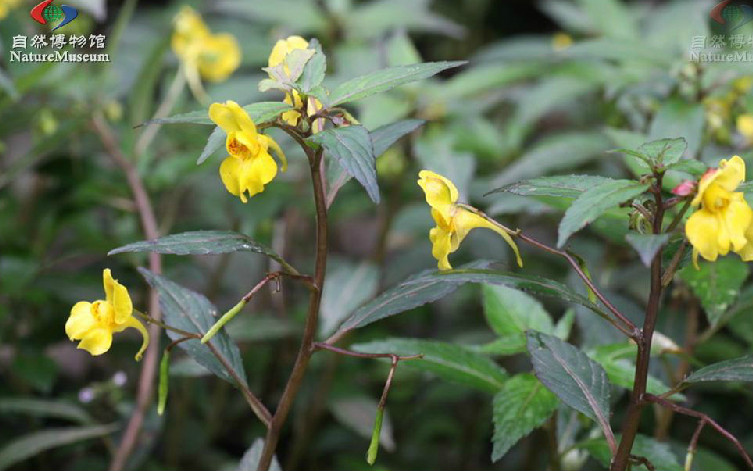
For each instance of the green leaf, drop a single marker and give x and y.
(533, 284)
(250, 460)
(690, 166)
(419, 289)
(659, 454)
(35, 443)
(42, 408)
(739, 369)
(190, 311)
(352, 147)
(716, 284)
(594, 202)
(576, 379)
(383, 137)
(647, 245)
(567, 186)
(509, 311)
(313, 72)
(565, 325)
(216, 141)
(261, 112)
(621, 372)
(386, 79)
(447, 360)
(665, 151)
(202, 243)
(520, 406)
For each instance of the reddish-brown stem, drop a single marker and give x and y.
(625, 325)
(350, 353)
(388, 384)
(635, 407)
(149, 225)
(312, 316)
(703, 418)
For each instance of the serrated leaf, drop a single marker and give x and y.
(250, 460)
(261, 112)
(352, 147)
(34, 443)
(647, 245)
(386, 79)
(415, 291)
(665, 151)
(522, 405)
(594, 202)
(216, 141)
(716, 284)
(568, 186)
(43, 408)
(296, 60)
(202, 243)
(509, 311)
(313, 72)
(569, 373)
(448, 361)
(659, 454)
(190, 311)
(738, 369)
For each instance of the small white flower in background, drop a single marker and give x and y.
(86, 395)
(119, 378)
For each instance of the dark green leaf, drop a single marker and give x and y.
(693, 167)
(446, 360)
(739, 369)
(35, 443)
(678, 118)
(577, 380)
(647, 245)
(202, 243)
(383, 137)
(351, 146)
(346, 287)
(42, 408)
(594, 202)
(659, 454)
(261, 112)
(568, 186)
(386, 79)
(716, 284)
(216, 141)
(417, 290)
(522, 405)
(190, 311)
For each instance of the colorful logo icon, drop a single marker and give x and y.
(733, 16)
(45, 13)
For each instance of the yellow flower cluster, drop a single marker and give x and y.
(454, 221)
(203, 54)
(724, 221)
(279, 53)
(94, 323)
(249, 166)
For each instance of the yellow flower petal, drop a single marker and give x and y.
(283, 47)
(441, 247)
(731, 173)
(270, 143)
(117, 296)
(96, 341)
(132, 322)
(701, 230)
(439, 190)
(241, 176)
(232, 119)
(80, 321)
(745, 127)
(466, 220)
(219, 57)
(737, 218)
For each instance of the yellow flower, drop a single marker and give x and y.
(249, 166)
(743, 84)
(211, 56)
(561, 41)
(454, 221)
(94, 323)
(745, 127)
(724, 221)
(279, 53)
